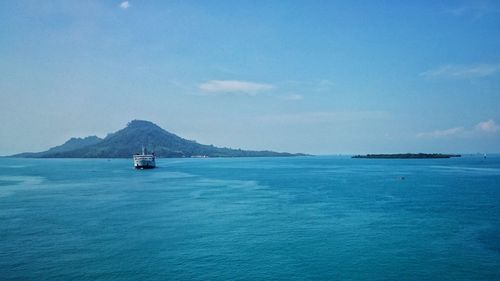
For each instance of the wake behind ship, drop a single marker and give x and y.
(144, 160)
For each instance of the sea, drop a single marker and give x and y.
(291, 218)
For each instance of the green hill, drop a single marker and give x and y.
(128, 141)
(71, 144)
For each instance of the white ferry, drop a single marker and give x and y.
(144, 160)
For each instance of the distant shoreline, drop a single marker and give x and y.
(407, 156)
(284, 154)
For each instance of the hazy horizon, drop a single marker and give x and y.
(319, 78)
(316, 154)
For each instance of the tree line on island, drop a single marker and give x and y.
(407, 156)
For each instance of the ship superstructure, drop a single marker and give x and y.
(144, 160)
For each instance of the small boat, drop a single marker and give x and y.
(144, 160)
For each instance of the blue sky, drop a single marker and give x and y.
(322, 77)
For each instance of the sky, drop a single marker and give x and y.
(320, 77)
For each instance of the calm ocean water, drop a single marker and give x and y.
(305, 218)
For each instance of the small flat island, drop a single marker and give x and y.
(407, 156)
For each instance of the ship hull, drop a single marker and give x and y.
(144, 167)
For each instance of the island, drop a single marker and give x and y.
(407, 156)
(138, 133)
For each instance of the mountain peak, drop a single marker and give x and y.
(141, 123)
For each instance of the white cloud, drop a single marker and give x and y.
(442, 133)
(293, 97)
(462, 71)
(234, 86)
(488, 126)
(125, 5)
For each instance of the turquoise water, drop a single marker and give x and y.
(305, 218)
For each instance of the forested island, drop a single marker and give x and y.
(138, 133)
(407, 156)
